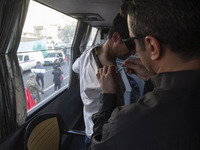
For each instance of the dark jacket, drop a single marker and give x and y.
(166, 118)
(57, 76)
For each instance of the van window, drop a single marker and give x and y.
(92, 37)
(26, 58)
(20, 57)
(44, 39)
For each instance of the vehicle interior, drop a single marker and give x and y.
(91, 20)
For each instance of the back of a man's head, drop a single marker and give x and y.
(32, 75)
(119, 25)
(38, 63)
(173, 22)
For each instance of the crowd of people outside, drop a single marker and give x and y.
(35, 83)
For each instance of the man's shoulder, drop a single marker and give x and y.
(87, 57)
(88, 51)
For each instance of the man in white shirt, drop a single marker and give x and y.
(96, 57)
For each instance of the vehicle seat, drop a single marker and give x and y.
(45, 132)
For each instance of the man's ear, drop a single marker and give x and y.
(115, 36)
(153, 47)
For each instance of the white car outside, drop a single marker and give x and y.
(53, 55)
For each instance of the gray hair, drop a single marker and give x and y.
(31, 75)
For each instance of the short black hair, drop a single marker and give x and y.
(174, 23)
(119, 25)
(55, 66)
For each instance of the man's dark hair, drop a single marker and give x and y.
(175, 23)
(56, 66)
(119, 25)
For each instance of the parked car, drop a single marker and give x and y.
(53, 55)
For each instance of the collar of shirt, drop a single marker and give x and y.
(180, 79)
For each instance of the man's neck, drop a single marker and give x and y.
(174, 63)
(106, 55)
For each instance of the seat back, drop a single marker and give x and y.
(43, 132)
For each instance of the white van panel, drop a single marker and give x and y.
(28, 60)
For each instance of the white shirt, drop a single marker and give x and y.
(90, 89)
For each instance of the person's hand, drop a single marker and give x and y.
(134, 65)
(107, 77)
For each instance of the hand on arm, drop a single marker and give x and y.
(135, 65)
(107, 77)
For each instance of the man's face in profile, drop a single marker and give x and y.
(141, 50)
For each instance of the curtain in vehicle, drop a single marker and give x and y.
(12, 94)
